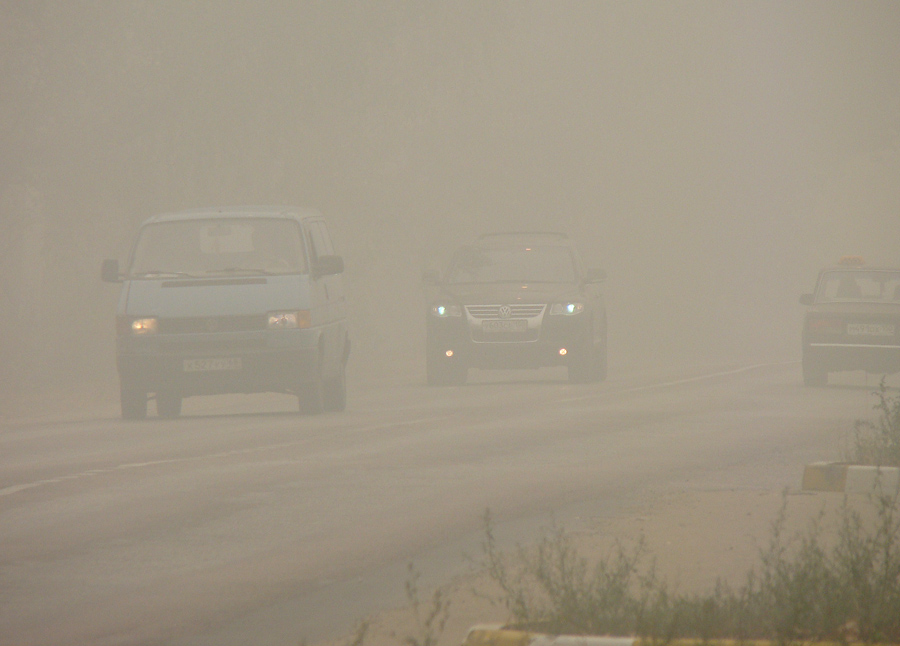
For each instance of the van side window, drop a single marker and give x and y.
(320, 241)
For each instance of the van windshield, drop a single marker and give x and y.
(232, 246)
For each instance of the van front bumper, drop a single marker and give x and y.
(206, 364)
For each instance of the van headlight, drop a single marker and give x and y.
(567, 309)
(443, 311)
(289, 320)
(137, 326)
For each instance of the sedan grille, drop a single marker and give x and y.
(517, 311)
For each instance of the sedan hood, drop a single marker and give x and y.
(497, 293)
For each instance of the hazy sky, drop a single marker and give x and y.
(711, 156)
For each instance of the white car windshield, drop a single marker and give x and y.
(229, 246)
(859, 286)
(525, 264)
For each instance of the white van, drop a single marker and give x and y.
(231, 300)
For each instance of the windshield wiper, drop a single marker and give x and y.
(236, 270)
(161, 272)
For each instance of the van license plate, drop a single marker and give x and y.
(212, 363)
(511, 325)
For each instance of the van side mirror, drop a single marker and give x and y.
(328, 266)
(806, 299)
(594, 275)
(431, 277)
(109, 271)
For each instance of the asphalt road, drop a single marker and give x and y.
(242, 522)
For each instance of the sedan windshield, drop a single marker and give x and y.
(859, 286)
(227, 246)
(512, 265)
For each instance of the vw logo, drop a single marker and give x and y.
(505, 311)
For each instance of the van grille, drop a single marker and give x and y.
(212, 324)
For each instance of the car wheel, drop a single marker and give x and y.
(311, 398)
(814, 374)
(590, 366)
(440, 372)
(134, 402)
(335, 395)
(168, 404)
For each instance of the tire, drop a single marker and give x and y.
(134, 402)
(602, 364)
(589, 367)
(335, 395)
(440, 372)
(168, 404)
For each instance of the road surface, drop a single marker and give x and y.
(242, 522)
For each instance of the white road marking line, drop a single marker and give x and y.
(677, 382)
(13, 489)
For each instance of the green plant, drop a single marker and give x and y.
(431, 626)
(878, 443)
(814, 585)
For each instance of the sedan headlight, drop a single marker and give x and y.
(567, 309)
(443, 311)
(289, 320)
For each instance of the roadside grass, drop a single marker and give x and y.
(840, 586)
(878, 443)
(838, 583)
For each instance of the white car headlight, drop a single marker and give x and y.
(567, 309)
(444, 311)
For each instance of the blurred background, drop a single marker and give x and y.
(710, 156)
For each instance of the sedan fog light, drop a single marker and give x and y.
(449, 353)
(563, 352)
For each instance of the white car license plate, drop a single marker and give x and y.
(511, 325)
(870, 329)
(212, 363)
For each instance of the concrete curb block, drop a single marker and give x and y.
(850, 478)
(498, 635)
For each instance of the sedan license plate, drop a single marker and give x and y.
(511, 325)
(870, 329)
(212, 363)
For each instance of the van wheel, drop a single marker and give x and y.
(168, 404)
(602, 365)
(311, 396)
(335, 395)
(134, 402)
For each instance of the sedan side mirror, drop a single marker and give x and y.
(109, 271)
(431, 277)
(806, 299)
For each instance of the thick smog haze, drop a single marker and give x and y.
(710, 156)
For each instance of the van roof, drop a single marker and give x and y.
(235, 212)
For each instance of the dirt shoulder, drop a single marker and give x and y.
(695, 537)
